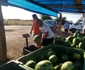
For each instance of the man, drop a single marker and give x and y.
(47, 34)
(35, 29)
(66, 28)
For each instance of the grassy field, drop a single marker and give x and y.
(17, 22)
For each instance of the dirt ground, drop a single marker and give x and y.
(15, 41)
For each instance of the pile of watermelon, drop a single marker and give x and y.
(77, 40)
(62, 55)
(57, 61)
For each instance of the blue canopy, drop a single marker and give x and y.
(50, 7)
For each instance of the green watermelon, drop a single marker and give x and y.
(77, 46)
(59, 40)
(67, 43)
(80, 37)
(75, 35)
(53, 59)
(69, 39)
(68, 65)
(36, 38)
(76, 56)
(81, 45)
(75, 41)
(64, 57)
(31, 63)
(73, 46)
(50, 53)
(58, 67)
(44, 65)
(78, 65)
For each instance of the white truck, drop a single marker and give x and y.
(77, 26)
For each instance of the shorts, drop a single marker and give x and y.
(66, 30)
(46, 41)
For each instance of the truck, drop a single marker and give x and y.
(77, 26)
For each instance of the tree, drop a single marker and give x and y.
(63, 20)
(44, 17)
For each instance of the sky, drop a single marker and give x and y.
(10, 12)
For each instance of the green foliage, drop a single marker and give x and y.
(44, 17)
(63, 20)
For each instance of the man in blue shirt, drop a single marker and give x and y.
(66, 28)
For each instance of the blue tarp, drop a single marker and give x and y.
(32, 7)
(50, 7)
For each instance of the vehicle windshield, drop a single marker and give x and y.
(49, 22)
(79, 22)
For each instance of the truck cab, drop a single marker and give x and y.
(77, 26)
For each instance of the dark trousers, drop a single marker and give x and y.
(47, 41)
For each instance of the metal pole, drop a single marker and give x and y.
(3, 50)
(27, 41)
(84, 17)
(59, 25)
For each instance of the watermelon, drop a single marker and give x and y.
(67, 43)
(75, 35)
(76, 56)
(77, 46)
(44, 65)
(64, 57)
(81, 45)
(75, 41)
(36, 38)
(69, 39)
(80, 37)
(59, 40)
(31, 63)
(68, 65)
(53, 59)
(73, 45)
(50, 53)
(78, 65)
(58, 67)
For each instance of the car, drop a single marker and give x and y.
(51, 24)
(77, 26)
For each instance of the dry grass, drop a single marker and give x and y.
(17, 22)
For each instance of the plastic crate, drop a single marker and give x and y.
(39, 54)
(13, 65)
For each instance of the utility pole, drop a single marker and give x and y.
(59, 24)
(3, 49)
(84, 17)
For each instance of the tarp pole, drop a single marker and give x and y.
(3, 50)
(59, 24)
